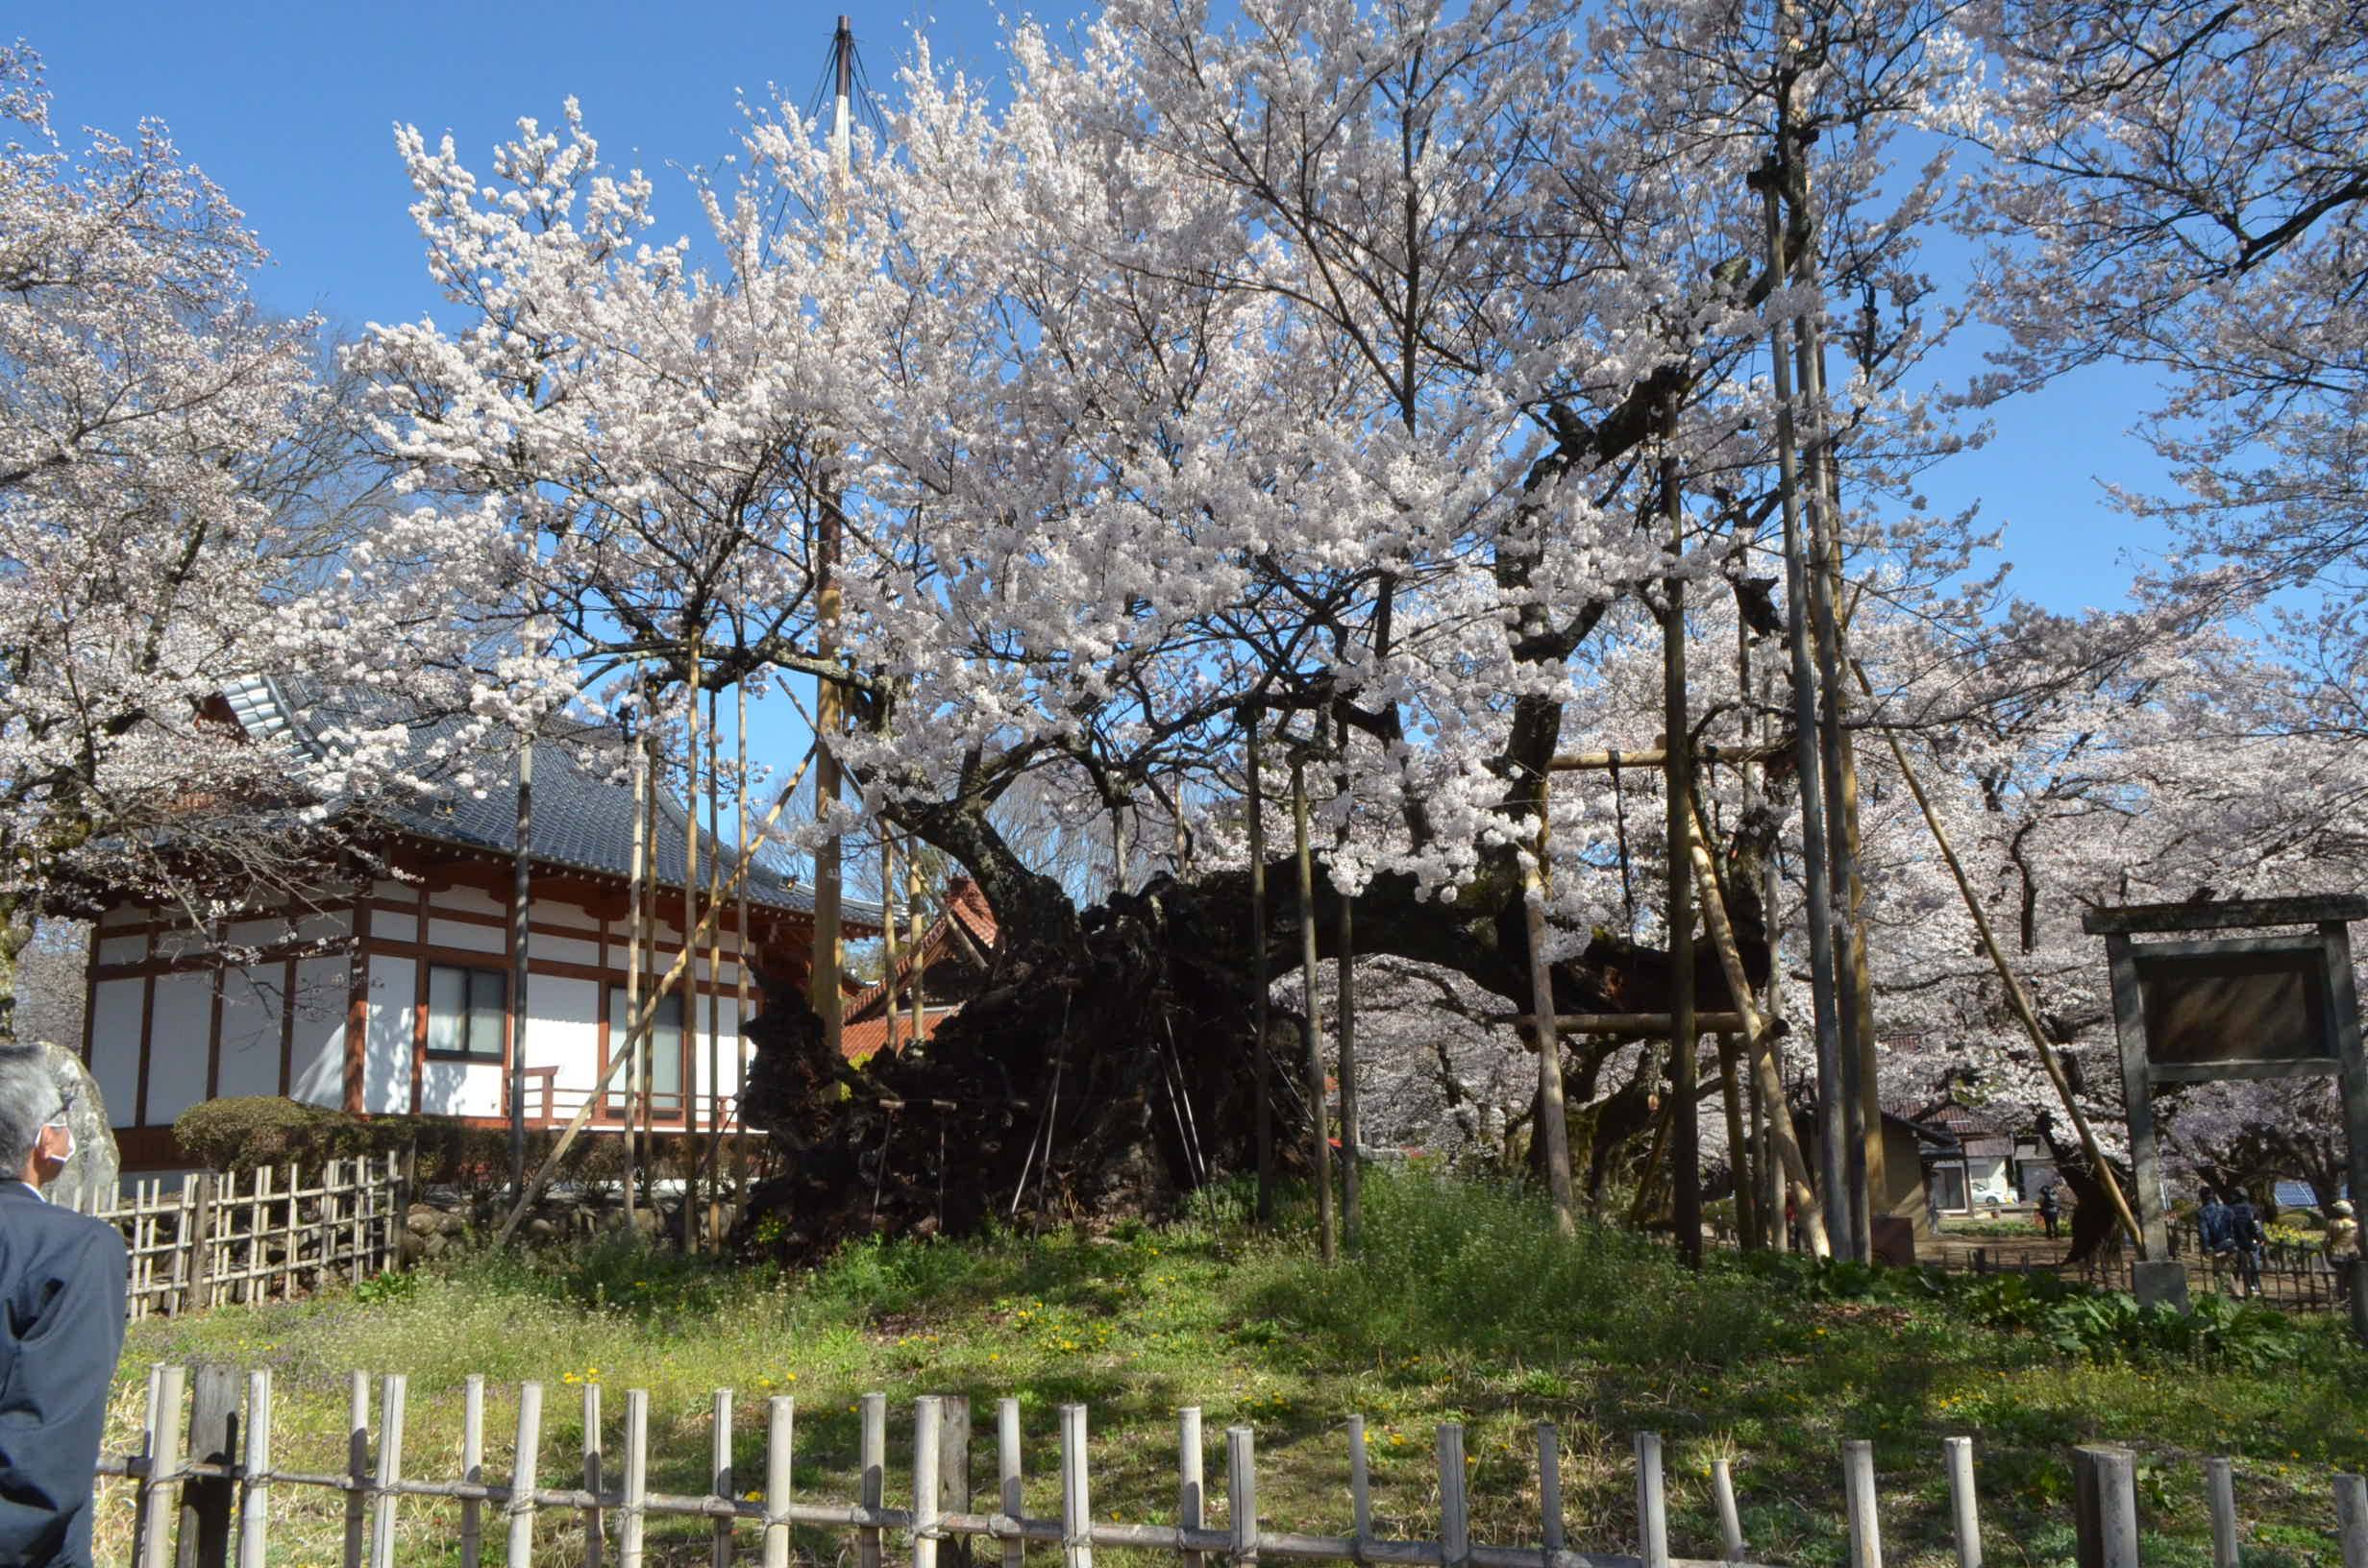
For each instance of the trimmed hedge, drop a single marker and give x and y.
(246, 1133)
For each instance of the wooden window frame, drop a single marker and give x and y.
(499, 1055)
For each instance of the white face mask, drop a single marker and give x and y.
(66, 1128)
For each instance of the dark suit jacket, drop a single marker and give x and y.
(61, 1305)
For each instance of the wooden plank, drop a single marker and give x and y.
(1652, 1503)
(255, 1480)
(357, 1463)
(1242, 1493)
(520, 1545)
(872, 1461)
(2224, 914)
(163, 1462)
(2145, 1155)
(720, 1476)
(1190, 1484)
(928, 1416)
(1454, 1500)
(2220, 1492)
(1857, 1484)
(954, 1474)
(1008, 1482)
(1964, 1509)
(472, 1469)
(781, 1430)
(1076, 1491)
(392, 1391)
(632, 1513)
(1730, 1517)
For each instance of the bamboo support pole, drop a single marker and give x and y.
(781, 1433)
(595, 1539)
(1739, 1147)
(643, 1020)
(1652, 1503)
(888, 933)
(165, 1418)
(357, 1463)
(830, 719)
(929, 1431)
(1677, 773)
(2220, 1496)
(1858, 1478)
(746, 946)
(1454, 1499)
(1964, 1507)
(872, 1459)
(1009, 1485)
(2016, 996)
(393, 1390)
(717, 1118)
(1242, 1494)
(693, 928)
(1550, 1486)
(636, 886)
(1263, 1089)
(1191, 1483)
(1360, 1482)
(1076, 1491)
(632, 1511)
(2104, 1505)
(1319, 1132)
(721, 1478)
(1730, 1517)
(1344, 1026)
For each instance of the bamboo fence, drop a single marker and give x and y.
(222, 1468)
(243, 1238)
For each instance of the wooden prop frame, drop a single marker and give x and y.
(2329, 943)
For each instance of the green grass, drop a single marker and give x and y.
(1464, 1305)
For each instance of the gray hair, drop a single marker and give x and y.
(30, 1099)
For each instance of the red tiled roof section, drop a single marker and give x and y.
(860, 1041)
(967, 908)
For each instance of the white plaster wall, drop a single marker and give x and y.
(559, 912)
(386, 1060)
(462, 1088)
(563, 949)
(466, 935)
(327, 923)
(251, 1008)
(114, 1046)
(129, 949)
(177, 1032)
(124, 915)
(390, 926)
(316, 1065)
(565, 1030)
(468, 900)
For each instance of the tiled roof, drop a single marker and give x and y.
(583, 808)
(859, 1042)
(965, 907)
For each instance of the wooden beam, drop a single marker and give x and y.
(2224, 914)
(1627, 1024)
(1655, 757)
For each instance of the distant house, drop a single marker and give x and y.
(943, 971)
(1993, 1165)
(396, 998)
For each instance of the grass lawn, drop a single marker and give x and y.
(1464, 1307)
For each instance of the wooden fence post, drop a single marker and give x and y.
(519, 1545)
(1652, 1505)
(196, 1235)
(928, 1420)
(1190, 1501)
(1858, 1480)
(357, 1465)
(2105, 1507)
(1730, 1517)
(473, 1469)
(1550, 1483)
(1009, 1492)
(207, 1502)
(1964, 1508)
(385, 1498)
(1241, 1492)
(720, 1477)
(872, 1459)
(2352, 1519)
(1454, 1500)
(954, 1474)
(1360, 1484)
(254, 1474)
(632, 1518)
(595, 1466)
(781, 1430)
(164, 1463)
(1076, 1491)
(2220, 1492)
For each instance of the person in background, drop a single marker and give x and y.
(2050, 1207)
(2211, 1233)
(2245, 1241)
(62, 1308)
(2341, 1246)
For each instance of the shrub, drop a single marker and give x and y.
(248, 1132)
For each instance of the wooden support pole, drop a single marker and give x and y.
(1076, 1491)
(1553, 1115)
(1254, 721)
(872, 1459)
(595, 1539)
(1009, 1482)
(167, 1391)
(2020, 999)
(1652, 1503)
(929, 1415)
(384, 1500)
(255, 1479)
(693, 928)
(744, 944)
(1550, 1484)
(472, 1469)
(781, 1431)
(2352, 1519)
(2105, 1507)
(521, 915)
(519, 1546)
(954, 1474)
(1964, 1508)
(1318, 1118)
(2220, 1495)
(1190, 1505)
(356, 1463)
(636, 886)
(1739, 1147)
(1454, 1499)
(632, 1510)
(1677, 776)
(722, 1483)
(1857, 1484)
(717, 1117)
(1344, 1026)
(1731, 1546)
(1242, 1493)
(208, 1501)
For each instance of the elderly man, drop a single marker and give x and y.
(61, 1302)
